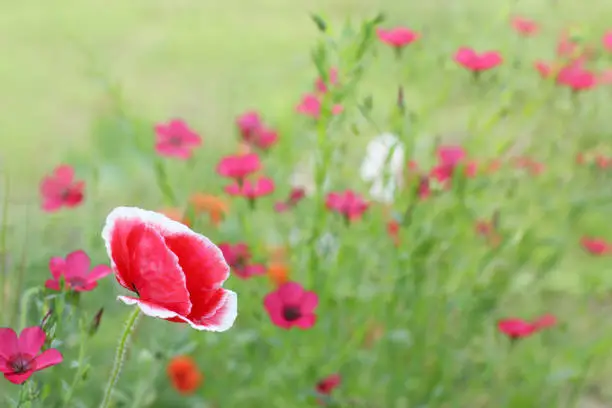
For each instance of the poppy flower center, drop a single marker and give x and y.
(21, 363)
(291, 313)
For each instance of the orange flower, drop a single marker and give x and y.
(214, 206)
(176, 214)
(278, 272)
(184, 374)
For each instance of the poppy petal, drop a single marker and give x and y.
(148, 308)
(213, 311)
(48, 358)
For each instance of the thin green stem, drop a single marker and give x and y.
(80, 366)
(3, 234)
(119, 357)
(25, 300)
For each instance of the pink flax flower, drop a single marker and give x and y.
(238, 256)
(290, 305)
(75, 270)
(239, 166)
(332, 80)
(577, 78)
(347, 203)
(606, 40)
(20, 356)
(60, 189)
(295, 196)
(328, 384)
(519, 328)
(174, 273)
(176, 139)
(252, 189)
(254, 132)
(449, 157)
(596, 246)
(310, 105)
(524, 26)
(477, 62)
(398, 37)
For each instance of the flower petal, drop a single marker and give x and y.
(57, 266)
(52, 284)
(290, 292)
(31, 340)
(213, 311)
(8, 343)
(309, 302)
(141, 259)
(306, 322)
(98, 272)
(148, 308)
(48, 358)
(77, 264)
(18, 378)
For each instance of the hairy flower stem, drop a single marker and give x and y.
(119, 357)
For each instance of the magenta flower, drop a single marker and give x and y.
(397, 37)
(295, 196)
(20, 356)
(577, 78)
(75, 271)
(332, 80)
(248, 123)
(477, 62)
(290, 305)
(61, 189)
(607, 40)
(176, 139)
(239, 166)
(449, 157)
(347, 203)
(252, 189)
(310, 105)
(238, 257)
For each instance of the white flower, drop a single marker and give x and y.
(383, 172)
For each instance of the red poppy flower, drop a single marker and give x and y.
(328, 384)
(20, 356)
(596, 246)
(61, 189)
(184, 374)
(290, 305)
(176, 273)
(295, 196)
(525, 26)
(332, 80)
(75, 271)
(606, 40)
(518, 328)
(347, 203)
(397, 37)
(250, 189)
(176, 139)
(477, 62)
(310, 105)
(238, 256)
(239, 166)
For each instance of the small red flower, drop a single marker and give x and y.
(393, 228)
(518, 328)
(606, 40)
(20, 356)
(596, 246)
(328, 384)
(295, 196)
(60, 189)
(310, 105)
(240, 166)
(238, 256)
(332, 80)
(252, 189)
(75, 271)
(347, 203)
(176, 274)
(577, 78)
(397, 37)
(545, 69)
(176, 139)
(290, 305)
(449, 157)
(565, 46)
(477, 62)
(248, 123)
(184, 374)
(603, 162)
(264, 138)
(524, 26)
